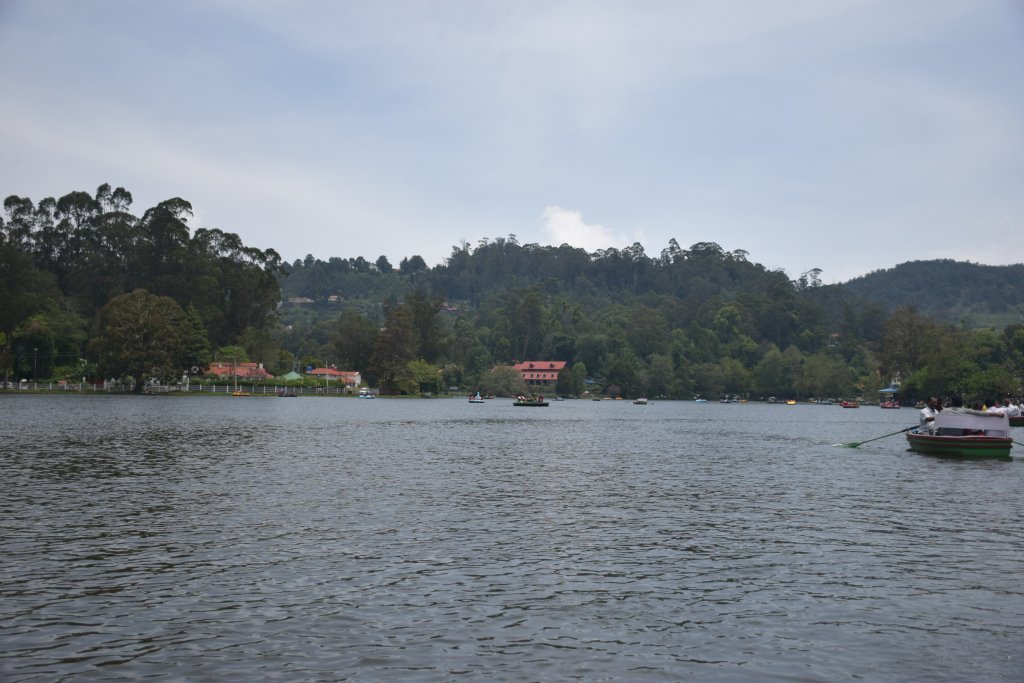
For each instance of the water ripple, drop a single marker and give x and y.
(319, 539)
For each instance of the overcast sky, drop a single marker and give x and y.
(846, 135)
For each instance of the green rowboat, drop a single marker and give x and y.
(965, 434)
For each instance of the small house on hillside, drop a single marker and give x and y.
(250, 371)
(346, 378)
(540, 372)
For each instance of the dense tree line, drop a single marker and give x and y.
(66, 263)
(689, 321)
(91, 289)
(952, 291)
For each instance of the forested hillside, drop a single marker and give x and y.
(696, 320)
(92, 289)
(955, 291)
(68, 266)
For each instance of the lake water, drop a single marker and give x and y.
(319, 539)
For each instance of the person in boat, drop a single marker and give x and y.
(1012, 409)
(995, 407)
(926, 421)
(956, 405)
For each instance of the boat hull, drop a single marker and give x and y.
(530, 404)
(961, 446)
(1017, 421)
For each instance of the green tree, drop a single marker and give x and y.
(577, 379)
(232, 353)
(736, 379)
(991, 383)
(70, 337)
(426, 377)
(396, 347)
(824, 376)
(197, 349)
(24, 292)
(777, 372)
(976, 365)
(412, 265)
(142, 336)
(623, 369)
(34, 348)
(591, 348)
(383, 265)
(431, 340)
(659, 376)
(354, 340)
(708, 378)
(463, 338)
(647, 331)
(451, 376)
(259, 345)
(478, 361)
(905, 343)
(523, 323)
(503, 380)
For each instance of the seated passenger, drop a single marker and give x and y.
(926, 421)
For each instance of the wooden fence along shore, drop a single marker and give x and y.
(225, 389)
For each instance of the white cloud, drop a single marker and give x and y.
(562, 226)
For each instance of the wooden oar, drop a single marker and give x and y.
(859, 443)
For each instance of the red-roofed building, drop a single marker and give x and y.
(349, 379)
(242, 370)
(540, 372)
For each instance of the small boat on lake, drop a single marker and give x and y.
(1016, 420)
(366, 393)
(640, 401)
(965, 434)
(850, 404)
(530, 402)
(889, 404)
(476, 399)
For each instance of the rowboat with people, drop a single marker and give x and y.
(964, 434)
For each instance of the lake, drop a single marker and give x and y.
(241, 538)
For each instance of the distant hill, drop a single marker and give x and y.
(958, 292)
